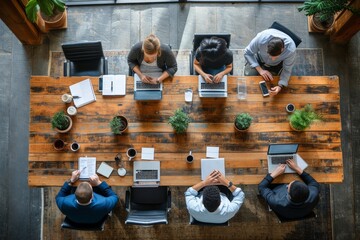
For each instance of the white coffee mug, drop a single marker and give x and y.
(66, 98)
(75, 146)
(121, 172)
(131, 153)
(71, 110)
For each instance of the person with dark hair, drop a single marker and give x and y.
(294, 200)
(213, 59)
(90, 203)
(206, 203)
(152, 61)
(271, 52)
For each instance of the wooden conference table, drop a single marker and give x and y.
(211, 125)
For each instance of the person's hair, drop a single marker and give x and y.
(151, 45)
(275, 46)
(298, 192)
(212, 49)
(84, 193)
(211, 198)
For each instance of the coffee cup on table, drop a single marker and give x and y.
(190, 158)
(71, 110)
(131, 153)
(290, 108)
(74, 146)
(66, 98)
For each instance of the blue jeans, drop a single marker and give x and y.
(213, 71)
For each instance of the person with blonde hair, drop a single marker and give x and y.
(152, 61)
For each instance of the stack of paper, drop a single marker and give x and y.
(83, 93)
(114, 85)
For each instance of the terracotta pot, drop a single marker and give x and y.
(125, 122)
(297, 130)
(240, 130)
(58, 21)
(315, 25)
(68, 129)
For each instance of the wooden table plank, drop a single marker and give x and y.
(211, 125)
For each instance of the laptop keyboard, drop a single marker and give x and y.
(220, 85)
(141, 85)
(147, 174)
(282, 159)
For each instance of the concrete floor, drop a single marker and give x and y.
(118, 27)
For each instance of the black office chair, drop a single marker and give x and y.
(148, 205)
(297, 40)
(84, 59)
(282, 219)
(68, 224)
(198, 37)
(229, 195)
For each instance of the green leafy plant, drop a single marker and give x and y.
(326, 8)
(303, 118)
(60, 121)
(47, 7)
(243, 121)
(118, 124)
(180, 121)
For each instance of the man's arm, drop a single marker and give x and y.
(263, 187)
(66, 188)
(251, 51)
(285, 74)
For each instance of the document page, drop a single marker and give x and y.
(114, 85)
(83, 93)
(87, 166)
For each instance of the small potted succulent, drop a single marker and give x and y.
(118, 124)
(242, 121)
(180, 121)
(61, 122)
(303, 118)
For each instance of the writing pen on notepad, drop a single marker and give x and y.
(82, 169)
(111, 86)
(76, 97)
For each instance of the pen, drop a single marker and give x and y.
(111, 86)
(76, 97)
(82, 169)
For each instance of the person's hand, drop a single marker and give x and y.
(212, 179)
(222, 180)
(274, 90)
(278, 171)
(94, 180)
(217, 78)
(208, 78)
(145, 79)
(152, 80)
(75, 176)
(292, 164)
(267, 76)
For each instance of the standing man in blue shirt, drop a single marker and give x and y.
(91, 202)
(210, 205)
(271, 52)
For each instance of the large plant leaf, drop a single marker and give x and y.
(46, 7)
(31, 10)
(59, 5)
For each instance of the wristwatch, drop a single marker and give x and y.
(230, 184)
(69, 182)
(157, 81)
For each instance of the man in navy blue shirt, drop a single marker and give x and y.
(90, 203)
(294, 200)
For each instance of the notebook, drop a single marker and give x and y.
(210, 164)
(146, 173)
(145, 91)
(83, 93)
(213, 90)
(87, 166)
(105, 169)
(114, 85)
(279, 153)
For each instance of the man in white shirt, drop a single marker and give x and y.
(210, 205)
(271, 52)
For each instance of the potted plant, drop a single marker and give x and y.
(180, 121)
(303, 118)
(321, 12)
(118, 124)
(242, 121)
(48, 14)
(61, 122)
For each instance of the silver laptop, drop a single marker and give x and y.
(146, 91)
(279, 153)
(210, 164)
(146, 173)
(213, 90)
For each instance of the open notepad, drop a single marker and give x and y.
(83, 93)
(87, 166)
(114, 85)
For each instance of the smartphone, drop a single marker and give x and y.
(100, 84)
(263, 88)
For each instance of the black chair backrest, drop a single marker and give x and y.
(198, 37)
(297, 40)
(82, 51)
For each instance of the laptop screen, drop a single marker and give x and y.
(275, 149)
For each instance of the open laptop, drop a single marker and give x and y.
(145, 91)
(213, 90)
(279, 153)
(146, 173)
(210, 164)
